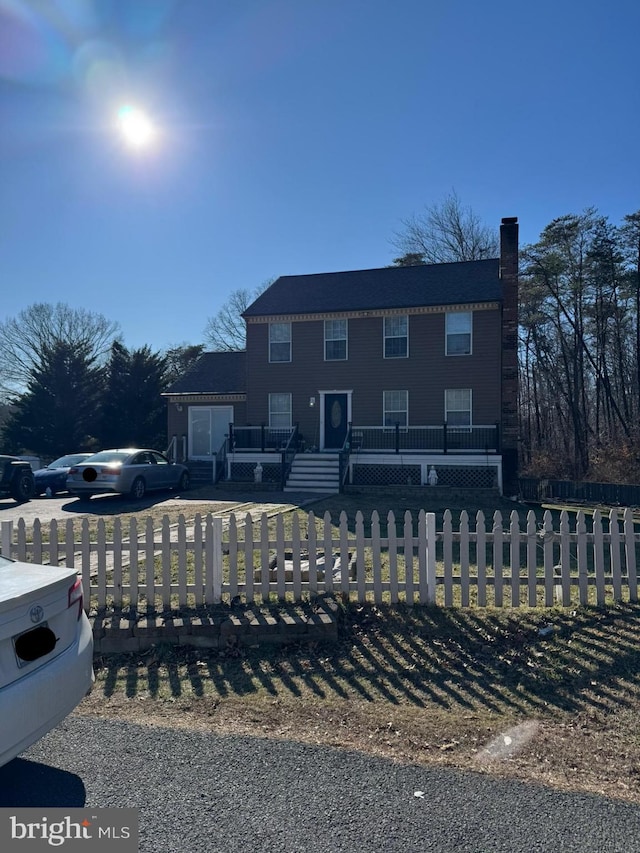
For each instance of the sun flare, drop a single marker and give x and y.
(136, 127)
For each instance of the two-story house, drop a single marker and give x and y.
(371, 377)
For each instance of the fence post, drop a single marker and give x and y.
(630, 554)
(431, 557)
(397, 437)
(5, 541)
(444, 437)
(216, 560)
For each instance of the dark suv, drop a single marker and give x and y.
(16, 479)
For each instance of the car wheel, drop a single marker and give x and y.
(22, 488)
(138, 488)
(185, 480)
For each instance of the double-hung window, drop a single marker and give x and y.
(457, 407)
(335, 340)
(396, 337)
(280, 411)
(459, 327)
(395, 406)
(279, 341)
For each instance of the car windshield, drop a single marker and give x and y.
(109, 456)
(68, 461)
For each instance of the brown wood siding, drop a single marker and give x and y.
(425, 374)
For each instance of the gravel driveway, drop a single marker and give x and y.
(65, 506)
(206, 793)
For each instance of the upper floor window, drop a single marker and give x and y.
(335, 340)
(459, 325)
(280, 411)
(396, 408)
(396, 337)
(279, 341)
(457, 406)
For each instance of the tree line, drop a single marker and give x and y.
(580, 349)
(70, 384)
(73, 385)
(579, 344)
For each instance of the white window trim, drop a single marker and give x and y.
(446, 333)
(281, 361)
(385, 410)
(345, 339)
(195, 410)
(470, 410)
(391, 337)
(281, 394)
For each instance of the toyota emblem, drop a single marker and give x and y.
(36, 613)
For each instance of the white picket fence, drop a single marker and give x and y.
(476, 562)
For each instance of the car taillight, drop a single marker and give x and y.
(75, 596)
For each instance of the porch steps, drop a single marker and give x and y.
(201, 472)
(314, 472)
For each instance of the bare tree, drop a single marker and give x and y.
(226, 332)
(578, 363)
(40, 328)
(445, 232)
(630, 234)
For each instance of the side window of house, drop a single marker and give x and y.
(335, 340)
(457, 407)
(395, 406)
(280, 411)
(279, 341)
(396, 337)
(459, 325)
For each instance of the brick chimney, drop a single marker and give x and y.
(510, 424)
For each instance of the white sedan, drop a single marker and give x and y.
(46, 651)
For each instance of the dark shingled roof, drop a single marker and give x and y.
(213, 373)
(378, 289)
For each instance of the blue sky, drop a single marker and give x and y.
(293, 136)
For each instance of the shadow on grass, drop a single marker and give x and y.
(528, 661)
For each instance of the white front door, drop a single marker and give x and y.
(208, 426)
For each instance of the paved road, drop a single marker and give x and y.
(203, 793)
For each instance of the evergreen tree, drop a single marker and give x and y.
(35, 331)
(578, 363)
(133, 412)
(180, 358)
(59, 412)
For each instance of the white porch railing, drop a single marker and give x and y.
(177, 449)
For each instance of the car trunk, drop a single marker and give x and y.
(38, 616)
